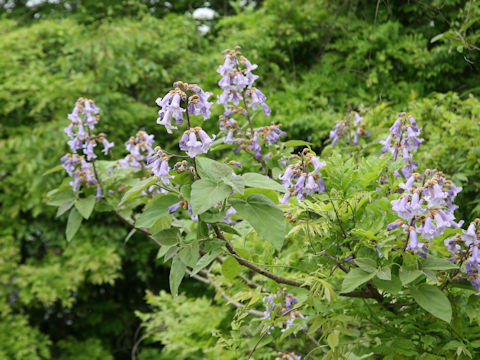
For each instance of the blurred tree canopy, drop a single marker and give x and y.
(317, 60)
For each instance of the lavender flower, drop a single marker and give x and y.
(299, 181)
(272, 133)
(345, 127)
(84, 115)
(158, 163)
(198, 104)
(192, 146)
(426, 208)
(170, 108)
(466, 246)
(139, 148)
(287, 356)
(403, 139)
(237, 82)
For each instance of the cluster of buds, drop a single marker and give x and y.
(196, 104)
(84, 115)
(425, 208)
(281, 303)
(403, 139)
(287, 356)
(272, 133)
(343, 127)
(191, 145)
(300, 180)
(182, 166)
(158, 163)
(140, 148)
(237, 82)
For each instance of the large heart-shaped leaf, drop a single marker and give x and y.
(264, 216)
(206, 193)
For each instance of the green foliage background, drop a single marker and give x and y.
(317, 60)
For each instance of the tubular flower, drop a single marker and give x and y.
(192, 146)
(425, 208)
(237, 82)
(158, 163)
(345, 127)
(300, 181)
(139, 148)
(402, 140)
(170, 108)
(84, 116)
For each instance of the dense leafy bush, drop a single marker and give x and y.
(318, 61)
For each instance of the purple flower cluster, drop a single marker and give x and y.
(271, 134)
(158, 164)
(289, 301)
(197, 104)
(84, 116)
(342, 127)
(237, 82)
(299, 180)
(465, 247)
(287, 356)
(192, 146)
(235, 135)
(402, 140)
(81, 171)
(140, 148)
(426, 208)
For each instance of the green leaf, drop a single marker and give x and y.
(205, 260)
(211, 169)
(354, 279)
(261, 181)
(432, 299)
(437, 37)
(53, 170)
(130, 234)
(214, 170)
(64, 208)
(202, 230)
(408, 275)
(177, 272)
(157, 209)
(366, 264)
(231, 268)
(137, 189)
(85, 206)
(332, 339)
(206, 193)
(165, 222)
(264, 216)
(189, 254)
(434, 263)
(295, 143)
(228, 229)
(212, 216)
(237, 183)
(185, 191)
(167, 237)
(385, 273)
(73, 223)
(392, 286)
